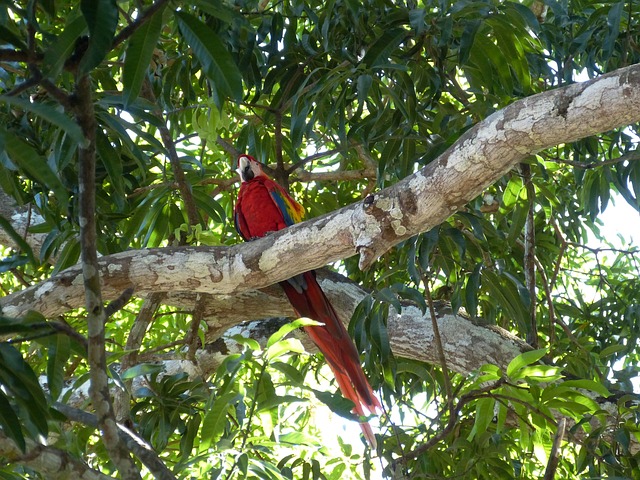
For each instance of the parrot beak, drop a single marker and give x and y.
(244, 169)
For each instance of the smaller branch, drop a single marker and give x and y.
(122, 397)
(118, 303)
(530, 254)
(552, 465)
(438, 341)
(22, 87)
(139, 446)
(563, 249)
(229, 148)
(192, 339)
(628, 157)
(132, 27)
(178, 172)
(337, 176)
(455, 412)
(52, 463)
(166, 346)
(20, 56)
(57, 93)
(550, 307)
(313, 157)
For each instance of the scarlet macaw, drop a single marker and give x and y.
(264, 206)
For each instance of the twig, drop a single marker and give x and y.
(139, 446)
(563, 248)
(554, 457)
(455, 412)
(122, 397)
(628, 157)
(26, 85)
(227, 147)
(178, 172)
(130, 29)
(438, 341)
(192, 339)
(530, 254)
(118, 303)
(313, 157)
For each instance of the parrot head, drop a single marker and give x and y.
(248, 168)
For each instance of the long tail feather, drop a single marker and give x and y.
(333, 340)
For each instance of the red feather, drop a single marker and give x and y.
(259, 210)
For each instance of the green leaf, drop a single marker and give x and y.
(290, 327)
(378, 53)
(380, 336)
(142, 369)
(484, 416)
(112, 163)
(538, 373)
(68, 256)
(58, 355)
(250, 343)
(466, 40)
(102, 19)
(138, 56)
(590, 385)
(187, 440)
(523, 360)
(26, 158)
(215, 419)
(472, 290)
(213, 55)
(299, 438)
(10, 423)
(611, 349)
(336, 403)
(288, 345)
(209, 205)
(17, 238)
(412, 294)
(7, 36)
(613, 24)
(49, 113)
(17, 377)
(63, 46)
(292, 373)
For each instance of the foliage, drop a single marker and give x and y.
(369, 91)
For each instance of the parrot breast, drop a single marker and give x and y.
(261, 214)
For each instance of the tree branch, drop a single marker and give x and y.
(52, 463)
(96, 315)
(415, 204)
(141, 448)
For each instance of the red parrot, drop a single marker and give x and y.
(263, 206)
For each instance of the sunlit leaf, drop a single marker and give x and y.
(523, 360)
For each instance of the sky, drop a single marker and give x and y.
(621, 220)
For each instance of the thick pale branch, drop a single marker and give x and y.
(416, 204)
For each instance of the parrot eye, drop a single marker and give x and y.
(247, 173)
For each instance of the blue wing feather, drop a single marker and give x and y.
(282, 205)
